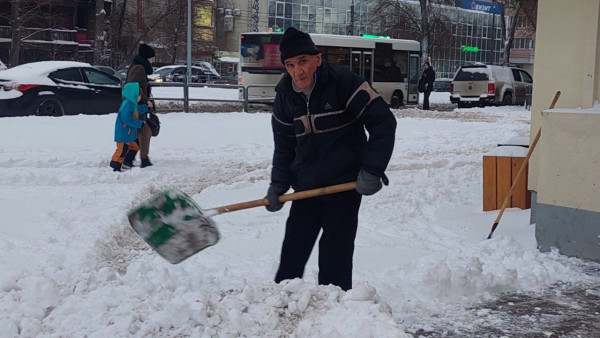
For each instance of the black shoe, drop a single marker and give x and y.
(115, 165)
(129, 157)
(145, 163)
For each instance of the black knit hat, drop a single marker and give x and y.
(146, 51)
(294, 43)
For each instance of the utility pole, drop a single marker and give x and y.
(352, 18)
(186, 95)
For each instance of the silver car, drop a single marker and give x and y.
(481, 85)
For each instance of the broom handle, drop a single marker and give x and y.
(521, 170)
(285, 198)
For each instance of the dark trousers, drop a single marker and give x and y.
(426, 99)
(337, 215)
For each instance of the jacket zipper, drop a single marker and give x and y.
(308, 104)
(308, 113)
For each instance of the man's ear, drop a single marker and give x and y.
(320, 59)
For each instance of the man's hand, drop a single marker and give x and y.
(273, 197)
(150, 104)
(367, 184)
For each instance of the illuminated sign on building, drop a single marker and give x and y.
(483, 6)
(469, 49)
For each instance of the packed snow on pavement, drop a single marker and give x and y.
(72, 267)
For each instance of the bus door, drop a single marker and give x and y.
(362, 64)
(413, 79)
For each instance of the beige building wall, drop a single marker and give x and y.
(565, 167)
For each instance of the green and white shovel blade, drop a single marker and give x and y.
(174, 225)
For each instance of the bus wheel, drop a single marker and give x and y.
(397, 100)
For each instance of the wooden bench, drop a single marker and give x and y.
(500, 168)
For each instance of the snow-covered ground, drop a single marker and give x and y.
(72, 267)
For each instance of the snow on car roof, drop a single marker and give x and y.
(35, 72)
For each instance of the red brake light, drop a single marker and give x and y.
(491, 89)
(25, 87)
(452, 88)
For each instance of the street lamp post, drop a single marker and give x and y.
(186, 96)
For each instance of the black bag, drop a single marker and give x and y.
(153, 122)
(421, 86)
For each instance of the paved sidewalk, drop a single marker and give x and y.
(565, 310)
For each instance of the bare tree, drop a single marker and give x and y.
(508, 33)
(100, 34)
(119, 8)
(409, 20)
(164, 24)
(39, 16)
(15, 29)
(523, 13)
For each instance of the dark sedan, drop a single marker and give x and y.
(176, 73)
(56, 88)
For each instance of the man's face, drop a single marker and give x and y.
(426, 66)
(302, 69)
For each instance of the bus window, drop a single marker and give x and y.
(260, 53)
(337, 55)
(390, 65)
(401, 61)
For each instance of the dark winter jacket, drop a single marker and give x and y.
(138, 72)
(427, 78)
(323, 142)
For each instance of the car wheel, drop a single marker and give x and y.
(397, 100)
(507, 100)
(50, 108)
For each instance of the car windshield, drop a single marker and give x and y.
(472, 74)
(164, 71)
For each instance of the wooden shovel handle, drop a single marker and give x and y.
(288, 197)
(520, 172)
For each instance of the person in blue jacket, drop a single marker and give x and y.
(127, 125)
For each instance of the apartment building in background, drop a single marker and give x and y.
(56, 30)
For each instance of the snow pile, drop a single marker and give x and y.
(72, 266)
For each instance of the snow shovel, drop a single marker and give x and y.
(177, 228)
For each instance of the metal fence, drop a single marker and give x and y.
(243, 96)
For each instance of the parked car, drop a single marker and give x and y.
(176, 73)
(209, 70)
(55, 88)
(108, 70)
(442, 84)
(121, 73)
(231, 78)
(481, 84)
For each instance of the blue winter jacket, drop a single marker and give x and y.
(127, 121)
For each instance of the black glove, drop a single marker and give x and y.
(272, 196)
(368, 184)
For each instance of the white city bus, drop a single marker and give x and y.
(391, 66)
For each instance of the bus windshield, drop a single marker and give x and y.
(260, 54)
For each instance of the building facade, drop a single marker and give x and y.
(563, 171)
(476, 33)
(52, 30)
